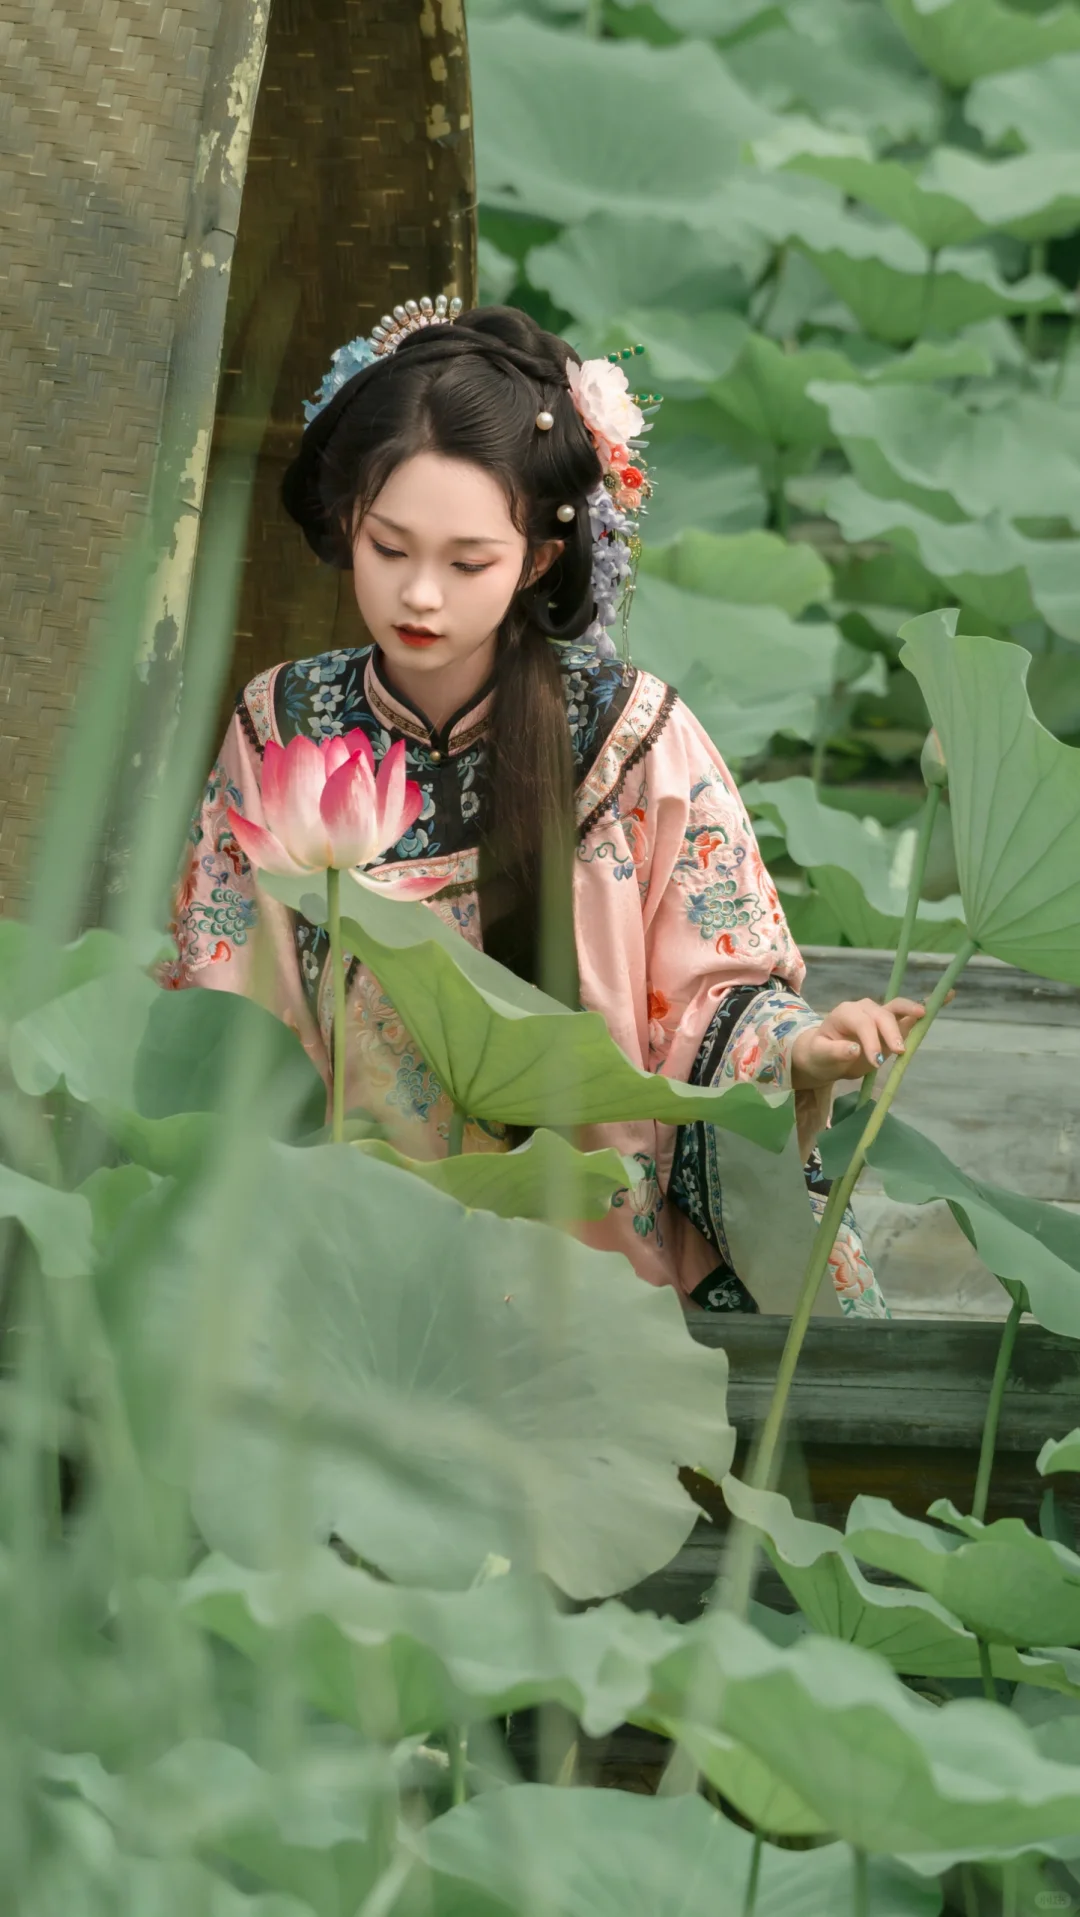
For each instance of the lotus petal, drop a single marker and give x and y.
(293, 777)
(264, 851)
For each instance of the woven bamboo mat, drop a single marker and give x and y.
(97, 145)
(361, 191)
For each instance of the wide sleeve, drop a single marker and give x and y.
(714, 923)
(230, 935)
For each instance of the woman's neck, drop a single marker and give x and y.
(437, 694)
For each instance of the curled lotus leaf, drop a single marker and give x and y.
(500, 1048)
(1014, 795)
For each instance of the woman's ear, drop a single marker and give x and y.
(543, 559)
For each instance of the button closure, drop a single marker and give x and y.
(436, 758)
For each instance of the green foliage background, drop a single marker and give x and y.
(848, 234)
(317, 1473)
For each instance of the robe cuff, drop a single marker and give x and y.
(759, 1052)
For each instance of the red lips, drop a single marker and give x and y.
(417, 635)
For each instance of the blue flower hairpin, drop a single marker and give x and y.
(383, 340)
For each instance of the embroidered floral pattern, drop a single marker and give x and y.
(750, 1039)
(730, 897)
(645, 1199)
(215, 907)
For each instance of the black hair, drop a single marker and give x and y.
(472, 391)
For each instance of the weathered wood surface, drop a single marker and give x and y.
(893, 1411)
(997, 1086)
(865, 1382)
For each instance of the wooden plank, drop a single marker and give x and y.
(868, 1382)
(987, 989)
(1002, 1099)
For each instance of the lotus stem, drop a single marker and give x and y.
(337, 967)
(986, 1672)
(911, 913)
(993, 1408)
(594, 18)
(861, 1899)
(456, 1746)
(928, 290)
(1063, 363)
(739, 1572)
(986, 1459)
(456, 1134)
(781, 514)
(970, 1890)
(1033, 318)
(750, 1903)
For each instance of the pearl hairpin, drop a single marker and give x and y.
(409, 318)
(566, 513)
(545, 421)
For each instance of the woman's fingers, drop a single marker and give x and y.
(858, 1023)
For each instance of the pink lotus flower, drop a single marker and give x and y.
(325, 807)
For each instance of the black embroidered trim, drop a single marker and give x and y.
(248, 724)
(632, 759)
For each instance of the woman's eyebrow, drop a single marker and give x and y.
(467, 539)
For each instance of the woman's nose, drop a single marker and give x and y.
(421, 593)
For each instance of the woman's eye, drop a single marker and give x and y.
(387, 552)
(464, 566)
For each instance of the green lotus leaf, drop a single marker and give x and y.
(87, 1870)
(896, 292)
(120, 1043)
(858, 867)
(88, 1038)
(684, 352)
(608, 264)
(110, 1192)
(880, 1766)
(1035, 106)
(392, 1661)
(432, 1385)
(933, 359)
(747, 672)
(846, 65)
(766, 392)
(954, 198)
(961, 40)
(501, 1049)
(1060, 1454)
(552, 133)
(33, 970)
(997, 572)
(1014, 793)
(1001, 1579)
(744, 569)
(302, 1830)
(1021, 458)
(57, 1223)
(859, 924)
(758, 1794)
(1033, 1247)
(911, 1630)
(544, 1178)
(594, 1853)
(705, 486)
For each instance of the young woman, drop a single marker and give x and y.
(476, 478)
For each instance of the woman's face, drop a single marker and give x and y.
(436, 561)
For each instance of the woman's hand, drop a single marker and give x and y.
(853, 1039)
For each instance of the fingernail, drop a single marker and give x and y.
(879, 1058)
